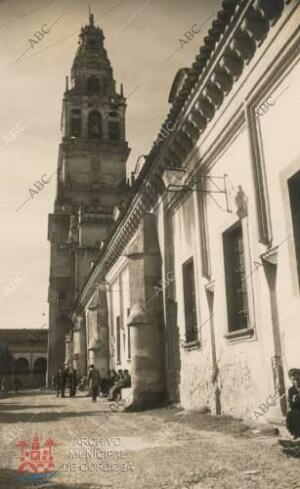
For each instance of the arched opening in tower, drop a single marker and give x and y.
(93, 85)
(76, 123)
(95, 125)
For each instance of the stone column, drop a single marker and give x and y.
(91, 333)
(270, 262)
(68, 348)
(97, 318)
(103, 333)
(91, 356)
(79, 345)
(172, 331)
(146, 317)
(31, 372)
(96, 357)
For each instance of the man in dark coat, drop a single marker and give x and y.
(64, 379)
(57, 382)
(94, 382)
(72, 382)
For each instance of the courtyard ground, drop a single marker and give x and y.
(160, 449)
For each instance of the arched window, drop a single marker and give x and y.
(40, 365)
(114, 130)
(93, 85)
(21, 366)
(95, 125)
(75, 123)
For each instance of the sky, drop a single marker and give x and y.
(142, 38)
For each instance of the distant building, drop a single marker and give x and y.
(196, 288)
(23, 355)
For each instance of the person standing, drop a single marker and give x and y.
(4, 388)
(72, 382)
(57, 382)
(94, 382)
(64, 379)
(293, 416)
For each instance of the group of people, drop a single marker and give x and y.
(109, 387)
(65, 378)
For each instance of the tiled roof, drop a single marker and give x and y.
(22, 331)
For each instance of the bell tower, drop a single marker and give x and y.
(91, 179)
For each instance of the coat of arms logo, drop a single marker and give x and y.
(37, 459)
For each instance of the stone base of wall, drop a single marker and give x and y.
(233, 392)
(146, 400)
(173, 385)
(196, 388)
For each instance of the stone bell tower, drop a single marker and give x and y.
(91, 179)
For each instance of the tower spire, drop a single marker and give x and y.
(91, 16)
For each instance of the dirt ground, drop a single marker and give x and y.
(161, 449)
